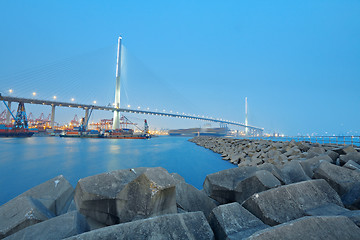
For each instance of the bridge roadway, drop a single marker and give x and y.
(86, 107)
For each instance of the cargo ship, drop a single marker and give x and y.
(189, 132)
(6, 131)
(20, 127)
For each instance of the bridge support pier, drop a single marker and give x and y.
(8, 114)
(52, 122)
(86, 115)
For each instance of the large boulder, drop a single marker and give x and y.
(333, 155)
(257, 182)
(20, 213)
(311, 164)
(55, 194)
(351, 199)
(293, 172)
(325, 227)
(274, 170)
(232, 221)
(290, 202)
(352, 165)
(173, 226)
(340, 178)
(95, 196)
(344, 150)
(60, 227)
(151, 194)
(126, 195)
(190, 199)
(220, 185)
(355, 156)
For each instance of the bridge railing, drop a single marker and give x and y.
(334, 140)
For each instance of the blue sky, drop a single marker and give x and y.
(296, 61)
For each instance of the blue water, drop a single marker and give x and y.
(27, 162)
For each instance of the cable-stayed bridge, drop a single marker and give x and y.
(116, 108)
(87, 107)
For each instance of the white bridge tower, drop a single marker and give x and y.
(116, 119)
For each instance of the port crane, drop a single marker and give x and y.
(20, 118)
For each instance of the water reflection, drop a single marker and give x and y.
(25, 163)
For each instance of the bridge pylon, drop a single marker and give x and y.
(116, 122)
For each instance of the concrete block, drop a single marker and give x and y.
(232, 221)
(173, 226)
(190, 199)
(95, 196)
(293, 172)
(60, 227)
(289, 202)
(354, 156)
(351, 199)
(344, 150)
(220, 185)
(339, 178)
(21, 212)
(311, 164)
(55, 194)
(151, 194)
(328, 227)
(352, 165)
(257, 182)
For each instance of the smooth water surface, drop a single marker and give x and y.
(27, 162)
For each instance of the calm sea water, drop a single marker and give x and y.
(27, 162)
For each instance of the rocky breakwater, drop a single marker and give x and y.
(312, 199)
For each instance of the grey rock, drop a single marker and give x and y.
(335, 210)
(333, 155)
(339, 178)
(351, 199)
(310, 165)
(190, 199)
(220, 185)
(174, 226)
(95, 196)
(20, 213)
(151, 194)
(257, 182)
(55, 194)
(354, 156)
(293, 172)
(324, 227)
(274, 170)
(352, 165)
(316, 151)
(304, 147)
(177, 177)
(344, 150)
(289, 202)
(232, 221)
(60, 227)
(329, 209)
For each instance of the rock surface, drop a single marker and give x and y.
(232, 221)
(55, 194)
(21, 212)
(173, 226)
(339, 178)
(60, 227)
(311, 228)
(290, 202)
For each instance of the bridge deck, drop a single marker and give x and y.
(128, 110)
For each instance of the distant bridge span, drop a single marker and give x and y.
(86, 107)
